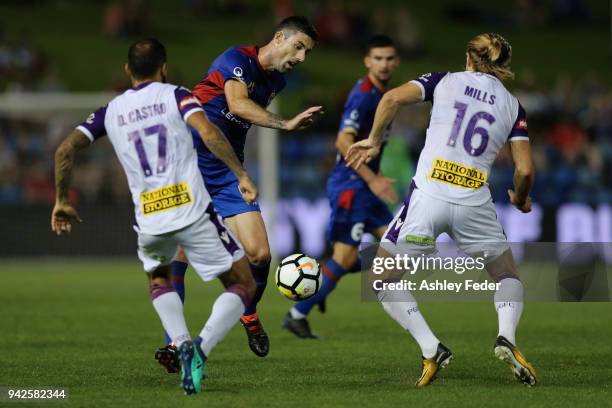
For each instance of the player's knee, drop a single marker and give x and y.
(502, 267)
(259, 256)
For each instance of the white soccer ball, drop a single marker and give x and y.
(298, 277)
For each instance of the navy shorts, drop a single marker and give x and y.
(228, 201)
(353, 212)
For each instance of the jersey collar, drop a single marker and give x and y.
(141, 85)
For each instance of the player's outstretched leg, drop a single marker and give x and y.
(167, 356)
(227, 309)
(295, 321)
(509, 306)
(403, 308)
(169, 307)
(250, 230)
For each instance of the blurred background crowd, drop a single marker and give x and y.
(569, 108)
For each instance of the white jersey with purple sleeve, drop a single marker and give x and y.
(472, 117)
(146, 126)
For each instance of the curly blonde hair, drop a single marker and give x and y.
(491, 53)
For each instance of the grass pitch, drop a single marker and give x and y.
(89, 326)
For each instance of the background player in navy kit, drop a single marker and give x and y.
(357, 197)
(238, 87)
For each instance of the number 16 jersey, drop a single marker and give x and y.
(472, 117)
(146, 126)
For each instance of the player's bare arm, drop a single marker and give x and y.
(241, 105)
(218, 144)
(64, 215)
(378, 183)
(523, 175)
(366, 150)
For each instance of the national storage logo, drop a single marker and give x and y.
(457, 174)
(165, 198)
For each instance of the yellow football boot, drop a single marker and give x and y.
(522, 369)
(432, 365)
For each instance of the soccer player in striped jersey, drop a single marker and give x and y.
(235, 93)
(473, 116)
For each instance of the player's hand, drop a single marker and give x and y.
(360, 153)
(381, 186)
(62, 218)
(304, 119)
(524, 206)
(247, 189)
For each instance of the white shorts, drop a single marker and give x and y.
(422, 218)
(209, 246)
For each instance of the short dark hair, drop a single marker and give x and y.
(145, 57)
(298, 23)
(379, 41)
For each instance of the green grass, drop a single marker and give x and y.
(89, 326)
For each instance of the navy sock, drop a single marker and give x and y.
(332, 272)
(178, 278)
(260, 274)
(178, 283)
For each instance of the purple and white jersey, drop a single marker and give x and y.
(146, 126)
(472, 117)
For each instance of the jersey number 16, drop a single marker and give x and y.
(470, 130)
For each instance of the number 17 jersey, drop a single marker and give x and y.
(472, 117)
(146, 126)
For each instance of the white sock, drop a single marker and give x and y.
(170, 310)
(226, 311)
(509, 305)
(296, 314)
(403, 308)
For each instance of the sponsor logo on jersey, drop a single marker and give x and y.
(165, 198)
(234, 119)
(522, 124)
(457, 174)
(238, 72)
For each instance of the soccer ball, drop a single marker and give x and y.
(298, 277)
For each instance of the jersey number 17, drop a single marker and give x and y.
(159, 130)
